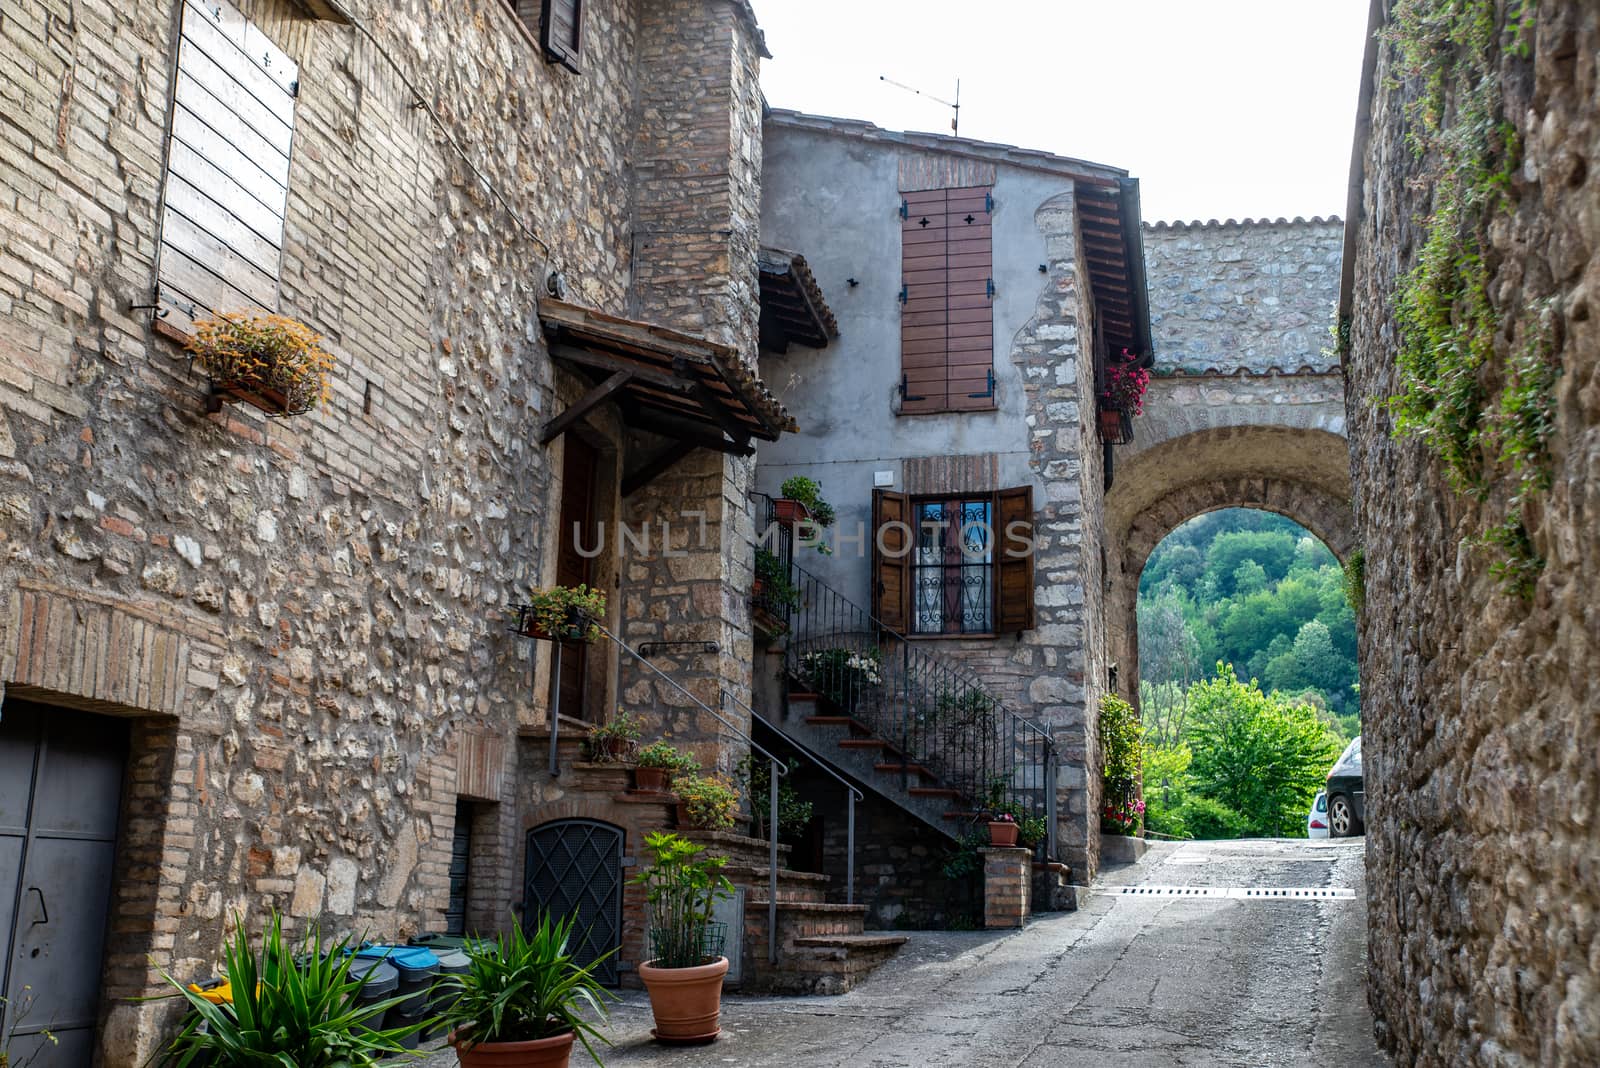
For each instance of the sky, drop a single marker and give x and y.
(1222, 109)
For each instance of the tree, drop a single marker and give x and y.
(1273, 550)
(1257, 753)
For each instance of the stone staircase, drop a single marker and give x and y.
(822, 946)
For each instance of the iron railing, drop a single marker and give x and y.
(772, 595)
(932, 711)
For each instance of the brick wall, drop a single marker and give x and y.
(1007, 886)
(336, 578)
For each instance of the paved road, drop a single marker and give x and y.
(1127, 981)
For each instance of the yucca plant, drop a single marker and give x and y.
(524, 987)
(291, 1009)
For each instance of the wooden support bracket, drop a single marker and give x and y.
(584, 405)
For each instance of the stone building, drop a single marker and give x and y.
(980, 292)
(1478, 651)
(253, 662)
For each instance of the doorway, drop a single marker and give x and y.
(580, 464)
(60, 801)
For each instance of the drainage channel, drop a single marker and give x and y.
(1238, 893)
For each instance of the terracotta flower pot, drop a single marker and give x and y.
(538, 1053)
(687, 1002)
(1002, 833)
(652, 780)
(789, 511)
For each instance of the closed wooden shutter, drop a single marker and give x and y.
(561, 30)
(892, 542)
(947, 322)
(1013, 531)
(227, 175)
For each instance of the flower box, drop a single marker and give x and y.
(790, 511)
(1116, 426)
(574, 629)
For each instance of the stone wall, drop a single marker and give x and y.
(1480, 731)
(1255, 296)
(306, 614)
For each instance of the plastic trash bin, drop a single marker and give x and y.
(416, 965)
(450, 963)
(382, 981)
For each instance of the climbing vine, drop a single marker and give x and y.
(1448, 54)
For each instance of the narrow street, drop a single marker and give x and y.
(1130, 980)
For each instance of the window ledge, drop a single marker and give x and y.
(979, 635)
(948, 411)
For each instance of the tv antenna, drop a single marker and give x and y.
(953, 105)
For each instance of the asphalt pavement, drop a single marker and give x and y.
(1186, 958)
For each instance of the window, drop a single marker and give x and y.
(561, 31)
(960, 564)
(947, 295)
(952, 572)
(227, 177)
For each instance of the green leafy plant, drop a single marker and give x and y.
(565, 612)
(682, 888)
(963, 860)
(1031, 830)
(290, 1006)
(842, 675)
(524, 987)
(1120, 737)
(274, 362)
(778, 592)
(794, 813)
(710, 801)
(809, 493)
(611, 741)
(667, 757)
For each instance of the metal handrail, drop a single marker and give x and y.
(937, 714)
(852, 795)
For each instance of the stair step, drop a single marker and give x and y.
(889, 767)
(964, 817)
(839, 721)
(831, 908)
(933, 791)
(860, 941)
(863, 743)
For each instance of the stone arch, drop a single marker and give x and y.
(1299, 472)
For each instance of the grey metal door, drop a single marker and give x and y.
(574, 867)
(60, 794)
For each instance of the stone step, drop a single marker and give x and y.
(890, 767)
(821, 964)
(740, 849)
(933, 791)
(860, 941)
(792, 885)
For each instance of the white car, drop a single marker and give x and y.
(1317, 818)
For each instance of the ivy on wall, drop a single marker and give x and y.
(1480, 398)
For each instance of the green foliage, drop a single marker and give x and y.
(667, 757)
(709, 800)
(778, 591)
(1355, 579)
(809, 493)
(290, 1008)
(1031, 830)
(567, 612)
(1120, 740)
(843, 675)
(794, 812)
(1206, 817)
(523, 987)
(16, 1011)
(611, 741)
(681, 889)
(1264, 555)
(1449, 58)
(963, 860)
(1257, 753)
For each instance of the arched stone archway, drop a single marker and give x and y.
(1299, 472)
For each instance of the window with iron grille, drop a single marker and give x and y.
(952, 570)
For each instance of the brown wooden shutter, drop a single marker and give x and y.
(892, 546)
(947, 322)
(561, 30)
(922, 318)
(969, 256)
(1013, 532)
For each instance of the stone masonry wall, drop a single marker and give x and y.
(1480, 734)
(1256, 296)
(305, 613)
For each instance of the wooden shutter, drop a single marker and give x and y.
(561, 31)
(947, 321)
(924, 275)
(1013, 531)
(892, 545)
(969, 258)
(227, 177)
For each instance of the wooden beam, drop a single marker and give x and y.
(606, 362)
(656, 466)
(713, 407)
(583, 406)
(685, 430)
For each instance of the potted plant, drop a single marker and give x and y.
(1121, 738)
(800, 501)
(611, 741)
(685, 972)
(562, 614)
(268, 361)
(706, 801)
(1003, 828)
(656, 764)
(286, 1005)
(1031, 830)
(772, 595)
(522, 1001)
